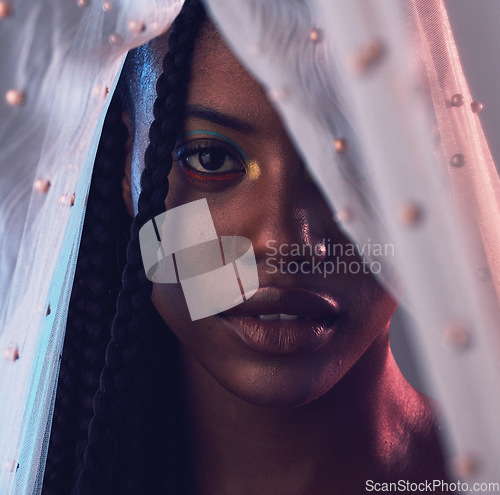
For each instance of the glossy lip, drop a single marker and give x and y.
(319, 316)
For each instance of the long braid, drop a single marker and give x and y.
(91, 308)
(122, 377)
(61, 455)
(103, 272)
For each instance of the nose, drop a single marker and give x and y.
(289, 213)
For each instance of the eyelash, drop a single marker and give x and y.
(195, 148)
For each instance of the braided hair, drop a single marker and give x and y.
(93, 298)
(131, 435)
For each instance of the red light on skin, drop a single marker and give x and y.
(195, 176)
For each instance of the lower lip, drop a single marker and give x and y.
(282, 337)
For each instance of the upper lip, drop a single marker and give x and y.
(291, 300)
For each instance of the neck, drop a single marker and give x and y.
(348, 434)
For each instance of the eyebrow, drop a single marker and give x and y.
(216, 117)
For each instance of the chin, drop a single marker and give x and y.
(278, 386)
(284, 381)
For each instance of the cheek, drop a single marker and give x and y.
(170, 303)
(225, 198)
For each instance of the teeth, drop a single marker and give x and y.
(283, 316)
(270, 317)
(278, 316)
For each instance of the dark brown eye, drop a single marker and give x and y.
(210, 157)
(213, 160)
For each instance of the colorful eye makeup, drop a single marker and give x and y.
(210, 157)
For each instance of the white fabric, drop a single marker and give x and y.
(61, 56)
(393, 186)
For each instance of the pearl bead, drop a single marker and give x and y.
(344, 215)
(254, 50)
(5, 9)
(12, 352)
(136, 27)
(107, 6)
(464, 465)
(457, 160)
(369, 56)
(341, 145)
(457, 100)
(100, 90)
(456, 336)
(277, 94)
(15, 97)
(82, 3)
(410, 214)
(476, 106)
(41, 185)
(115, 39)
(316, 35)
(66, 200)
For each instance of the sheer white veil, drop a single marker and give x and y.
(374, 96)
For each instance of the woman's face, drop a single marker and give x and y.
(302, 332)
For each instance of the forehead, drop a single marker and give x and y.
(218, 80)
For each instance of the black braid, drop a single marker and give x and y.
(116, 457)
(104, 274)
(61, 455)
(91, 309)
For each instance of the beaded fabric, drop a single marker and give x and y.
(375, 100)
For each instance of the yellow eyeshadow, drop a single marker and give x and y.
(253, 171)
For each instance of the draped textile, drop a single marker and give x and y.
(374, 97)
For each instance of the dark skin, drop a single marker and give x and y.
(321, 421)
